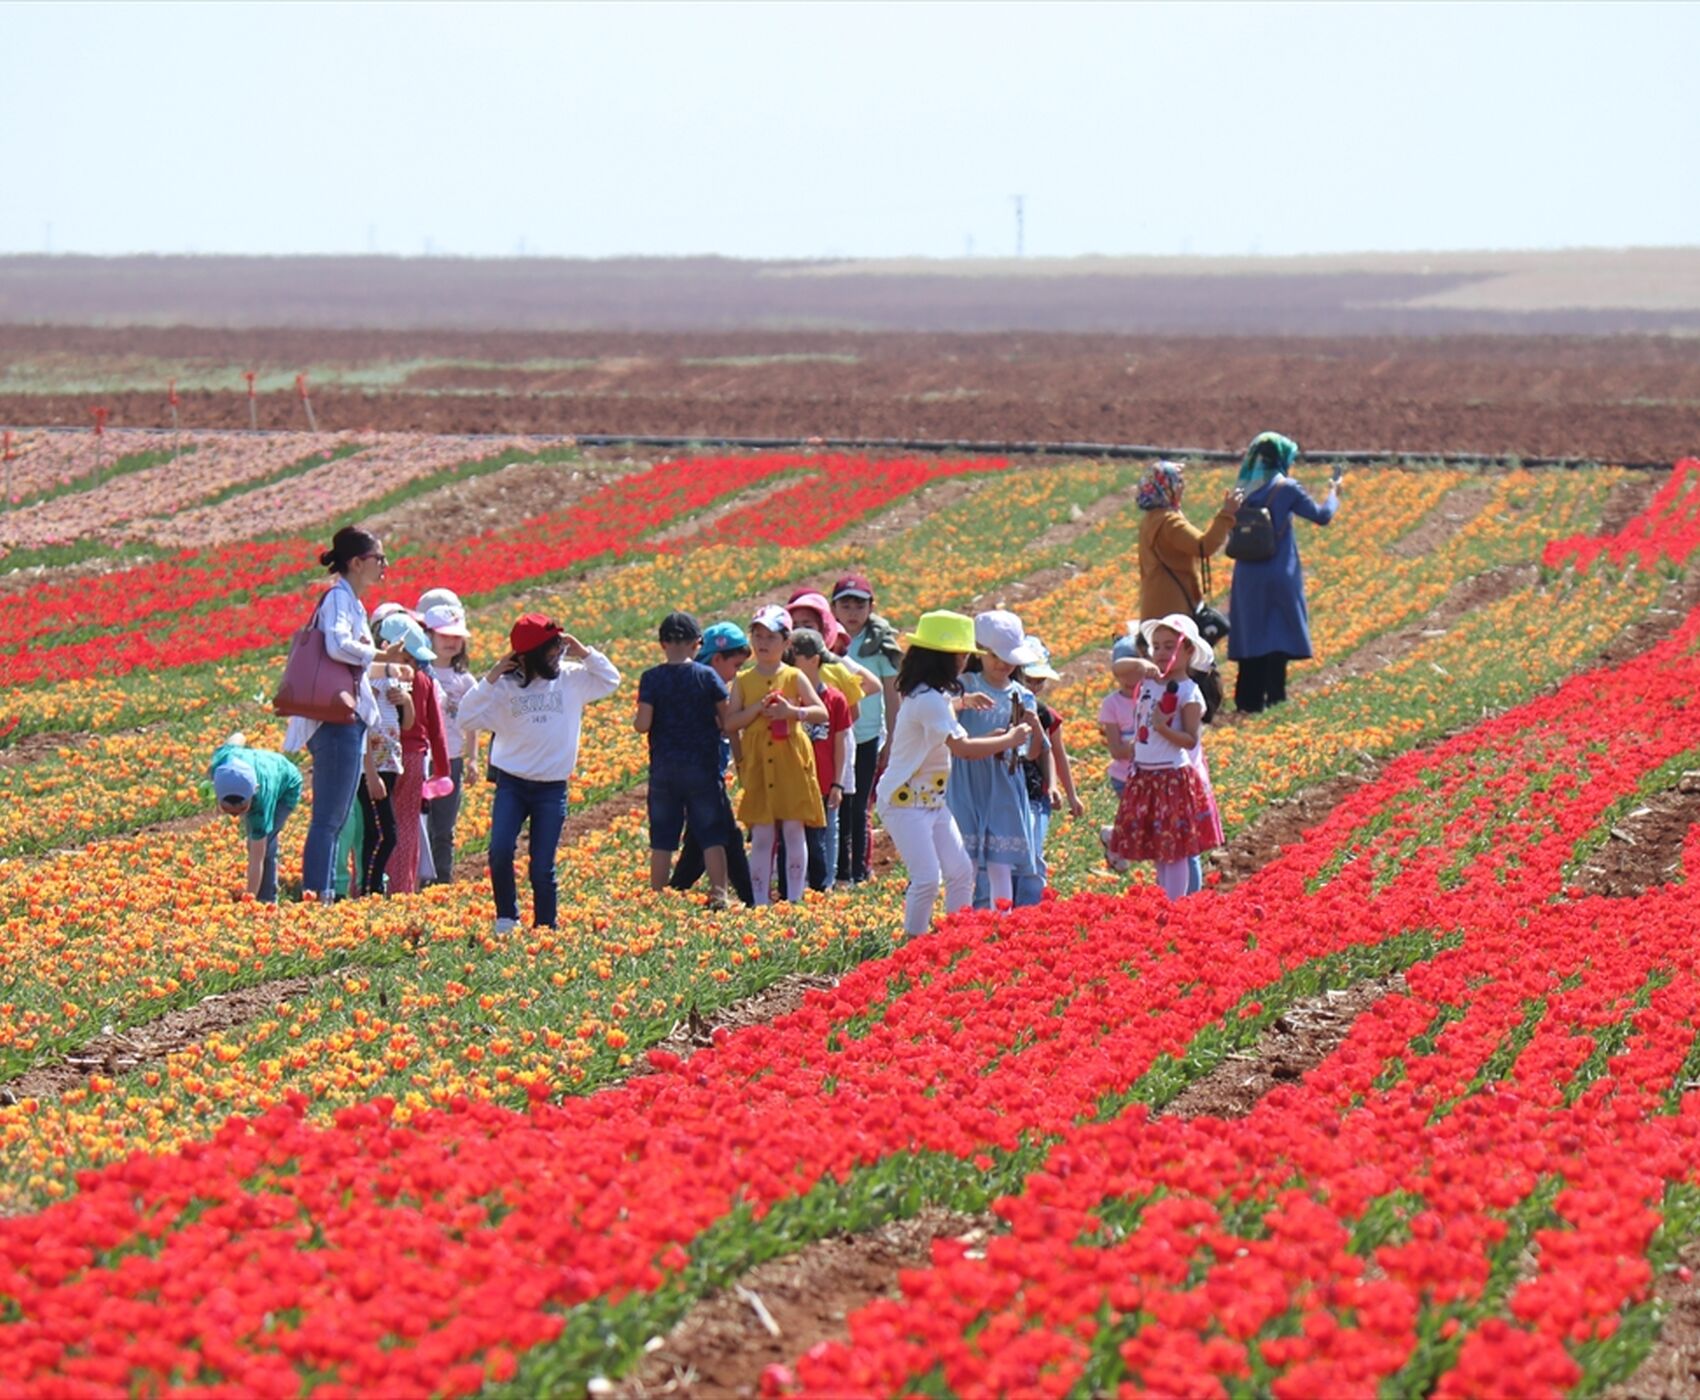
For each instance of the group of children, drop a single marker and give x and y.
(787, 717)
(824, 714)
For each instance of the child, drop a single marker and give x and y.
(424, 735)
(833, 755)
(445, 629)
(384, 767)
(1117, 718)
(1167, 812)
(928, 734)
(724, 650)
(264, 788)
(534, 706)
(681, 706)
(989, 798)
(771, 702)
(872, 644)
(1049, 779)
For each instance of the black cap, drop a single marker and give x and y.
(680, 627)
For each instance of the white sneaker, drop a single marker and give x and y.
(506, 926)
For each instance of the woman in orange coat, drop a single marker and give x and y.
(1171, 550)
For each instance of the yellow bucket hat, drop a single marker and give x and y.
(944, 631)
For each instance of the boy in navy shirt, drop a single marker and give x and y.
(726, 649)
(681, 706)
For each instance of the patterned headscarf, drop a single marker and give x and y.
(1161, 489)
(1256, 468)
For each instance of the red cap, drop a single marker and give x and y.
(853, 586)
(532, 631)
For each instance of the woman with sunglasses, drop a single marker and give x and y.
(356, 560)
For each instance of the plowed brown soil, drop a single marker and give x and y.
(1626, 398)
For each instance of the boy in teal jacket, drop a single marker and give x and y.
(260, 788)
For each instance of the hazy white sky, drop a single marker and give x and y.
(867, 129)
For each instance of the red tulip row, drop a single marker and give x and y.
(612, 520)
(133, 596)
(1669, 530)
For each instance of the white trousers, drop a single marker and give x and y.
(930, 846)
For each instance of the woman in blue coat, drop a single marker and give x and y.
(1269, 624)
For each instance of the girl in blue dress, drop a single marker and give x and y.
(988, 796)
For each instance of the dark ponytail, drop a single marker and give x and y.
(348, 544)
(922, 666)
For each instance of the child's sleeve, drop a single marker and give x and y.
(938, 718)
(1107, 710)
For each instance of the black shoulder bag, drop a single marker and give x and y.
(1212, 625)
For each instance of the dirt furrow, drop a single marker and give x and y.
(779, 1310)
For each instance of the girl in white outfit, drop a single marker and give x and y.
(911, 801)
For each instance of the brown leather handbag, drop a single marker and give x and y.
(315, 684)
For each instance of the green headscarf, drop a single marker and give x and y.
(1256, 468)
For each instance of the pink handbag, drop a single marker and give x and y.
(315, 685)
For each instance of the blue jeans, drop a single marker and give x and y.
(832, 814)
(545, 804)
(823, 851)
(339, 753)
(1030, 889)
(267, 893)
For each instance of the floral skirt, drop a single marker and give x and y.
(1165, 814)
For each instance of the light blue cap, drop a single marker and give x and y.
(1126, 646)
(399, 627)
(721, 637)
(235, 778)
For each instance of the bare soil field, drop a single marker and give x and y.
(1614, 398)
(1587, 291)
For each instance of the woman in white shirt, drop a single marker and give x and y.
(533, 706)
(339, 750)
(911, 801)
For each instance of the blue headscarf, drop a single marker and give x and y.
(1257, 467)
(1161, 489)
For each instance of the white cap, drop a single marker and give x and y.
(448, 620)
(1002, 634)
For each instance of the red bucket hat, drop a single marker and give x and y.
(532, 631)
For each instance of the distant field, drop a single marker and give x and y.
(1607, 398)
(1584, 292)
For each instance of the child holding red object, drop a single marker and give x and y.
(832, 756)
(1168, 812)
(771, 704)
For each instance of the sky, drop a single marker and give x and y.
(808, 130)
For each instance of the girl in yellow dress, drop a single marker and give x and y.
(771, 705)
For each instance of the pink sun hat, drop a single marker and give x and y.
(830, 627)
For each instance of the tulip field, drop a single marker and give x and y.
(423, 1160)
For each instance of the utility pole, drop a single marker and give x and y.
(1020, 202)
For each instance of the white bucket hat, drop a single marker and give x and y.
(1203, 654)
(1002, 634)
